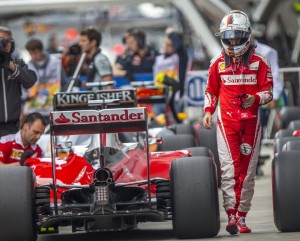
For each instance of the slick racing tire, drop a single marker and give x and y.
(176, 142)
(165, 132)
(200, 151)
(283, 133)
(294, 125)
(292, 146)
(280, 142)
(194, 198)
(288, 114)
(183, 129)
(204, 151)
(208, 138)
(17, 204)
(286, 193)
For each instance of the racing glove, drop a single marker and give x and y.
(26, 154)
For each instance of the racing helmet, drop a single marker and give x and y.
(235, 33)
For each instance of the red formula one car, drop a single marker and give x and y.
(108, 185)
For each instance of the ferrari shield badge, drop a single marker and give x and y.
(245, 149)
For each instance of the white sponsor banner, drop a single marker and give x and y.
(98, 116)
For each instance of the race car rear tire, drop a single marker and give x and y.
(17, 204)
(183, 128)
(204, 151)
(200, 151)
(286, 191)
(176, 142)
(194, 198)
(208, 138)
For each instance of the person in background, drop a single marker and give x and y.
(15, 148)
(99, 66)
(15, 75)
(239, 82)
(70, 58)
(138, 58)
(170, 69)
(53, 45)
(272, 55)
(51, 78)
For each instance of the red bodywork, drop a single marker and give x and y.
(75, 169)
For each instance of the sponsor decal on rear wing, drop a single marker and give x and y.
(79, 100)
(98, 121)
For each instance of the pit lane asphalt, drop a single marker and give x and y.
(260, 219)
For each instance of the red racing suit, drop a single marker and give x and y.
(238, 129)
(12, 148)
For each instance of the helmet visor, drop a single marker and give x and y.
(234, 37)
(234, 34)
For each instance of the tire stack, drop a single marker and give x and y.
(163, 197)
(285, 172)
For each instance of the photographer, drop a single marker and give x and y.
(70, 59)
(14, 75)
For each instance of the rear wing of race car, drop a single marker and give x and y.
(98, 121)
(64, 101)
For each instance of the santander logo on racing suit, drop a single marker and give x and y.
(98, 116)
(247, 79)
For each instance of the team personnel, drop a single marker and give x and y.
(51, 78)
(99, 69)
(170, 68)
(264, 111)
(15, 148)
(138, 57)
(239, 81)
(14, 75)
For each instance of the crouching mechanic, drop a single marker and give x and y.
(16, 148)
(239, 81)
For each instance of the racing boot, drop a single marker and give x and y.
(242, 225)
(232, 225)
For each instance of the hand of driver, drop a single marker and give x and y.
(249, 100)
(207, 120)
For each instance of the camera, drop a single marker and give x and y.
(4, 56)
(74, 49)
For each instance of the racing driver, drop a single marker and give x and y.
(239, 81)
(15, 148)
